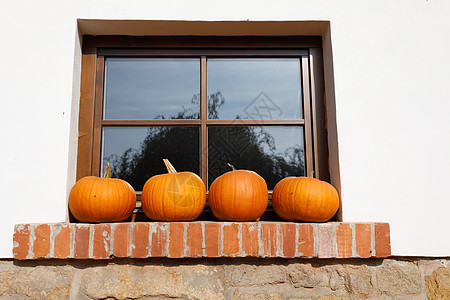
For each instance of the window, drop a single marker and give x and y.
(202, 102)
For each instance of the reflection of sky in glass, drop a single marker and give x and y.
(148, 88)
(285, 138)
(257, 88)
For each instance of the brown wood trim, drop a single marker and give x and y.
(155, 122)
(251, 122)
(318, 114)
(307, 115)
(98, 115)
(211, 53)
(86, 113)
(314, 119)
(204, 42)
(204, 117)
(209, 122)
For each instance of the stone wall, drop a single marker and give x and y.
(225, 278)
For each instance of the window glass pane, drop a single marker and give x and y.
(136, 153)
(274, 152)
(152, 88)
(254, 89)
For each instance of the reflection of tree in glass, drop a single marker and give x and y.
(246, 147)
(251, 148)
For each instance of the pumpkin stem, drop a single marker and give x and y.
(311, 174)
(231, 166)
(107, 173)
(169, 166)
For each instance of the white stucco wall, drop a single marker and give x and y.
(392, 91)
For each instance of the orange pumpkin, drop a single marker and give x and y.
(305, 199)
(238, 195)
(94, 199)
(173, 196)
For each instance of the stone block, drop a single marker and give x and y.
(396, 277)
(253, 275)
(438, 284)
(35, 282)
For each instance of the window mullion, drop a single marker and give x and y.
(203, 118)
(98, 116)
(307, 115)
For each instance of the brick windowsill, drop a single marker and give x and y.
(201, 239)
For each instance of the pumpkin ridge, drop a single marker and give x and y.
(99, 197)
(163, 207)
(131, 198)
(122, 192)
(323, 197)
(220, 201)
(91, 184)
(149, 196)
(234, 196)
(91, 188)
(154, 197)
(194, 196)
(308, 200)
(291, 187)
(74, 206)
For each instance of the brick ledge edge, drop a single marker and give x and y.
(201, 239)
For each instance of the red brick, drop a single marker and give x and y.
(21, 239)
(363, 240)
(41, 245)
(159, 240)
(287, 235)
(102, 238)
(139, 242)
(269, 239)
(121, 242)
(344, 240)
(212, 246)
(231, 239)
(194, 240)
(325, 240)
(250, 245)
(382, 240)
(81, 248)
(306, 239)
(176, 244)
(62, 242)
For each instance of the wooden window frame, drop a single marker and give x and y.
(96, 49)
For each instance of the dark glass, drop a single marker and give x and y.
(254, 88)
(148, 88)
(274, 152)
(136, 153)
